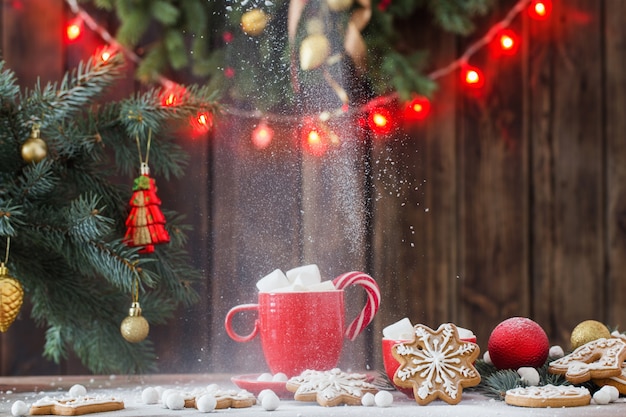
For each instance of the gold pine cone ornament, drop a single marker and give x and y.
(11, 298)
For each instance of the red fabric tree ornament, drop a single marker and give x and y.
(145, 225)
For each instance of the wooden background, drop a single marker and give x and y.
(507, 202)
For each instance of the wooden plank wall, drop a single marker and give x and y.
(510, 201)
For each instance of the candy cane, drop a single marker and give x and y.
(373, 300)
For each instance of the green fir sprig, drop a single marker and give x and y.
(65, 215)
(261, 72)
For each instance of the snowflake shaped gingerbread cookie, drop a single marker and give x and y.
(436, 364)
(330, 388)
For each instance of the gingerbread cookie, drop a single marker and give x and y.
(75, 406)
(548, 396)
(618, 381)
(224, 398)
(330, 388)
(436, 364)
(598, 359)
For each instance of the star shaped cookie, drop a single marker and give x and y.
(436, 364)
(330, 388)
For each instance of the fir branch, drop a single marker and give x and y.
(456, 15)
(10, 217)
(85, 223)
(78, 89)
(37, 181)
(9, 89)
(67, 211)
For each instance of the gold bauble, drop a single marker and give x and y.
(314, 51)
(253, 22)
(34, 150)
(339, 5)
(587, 331)
(11, 298)
(134, 327)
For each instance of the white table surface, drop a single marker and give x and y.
(30, 389)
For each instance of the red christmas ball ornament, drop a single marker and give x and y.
(518, 342)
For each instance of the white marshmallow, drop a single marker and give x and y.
(308, 275)
(19, 408)
(613, 392)
(175, 401)
(77, 390)
(602, 397)
(556, 352)
(150, 396)
(529, 375)
(487, 358)
(464, 333)
(323, 286)
(280, 377)
(265, 376)
(272, 281)
(400, 330)
(383, 399)
(367, 400)
(206, 403)
(270, 401)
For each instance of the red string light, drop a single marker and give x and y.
(74, 29)
(417, 109)
(540, 10)
(473, 77)
(262, 135)
(314, 139)
(202, 122)
(508, 42)
(379, 120)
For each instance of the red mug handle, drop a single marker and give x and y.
(229, 318)
(371, 306)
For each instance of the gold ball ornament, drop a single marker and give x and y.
(134, 327)
(253, 22)
(11, 298)
(314, 50)
(339, 5)
(34, 150)
(587, 331)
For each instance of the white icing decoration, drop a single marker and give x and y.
(549, 391)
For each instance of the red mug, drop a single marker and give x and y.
(305, 329)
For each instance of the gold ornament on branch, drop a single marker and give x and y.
(135, 328)
(253, 22)
(11, 295)
(314, 51)
(34, 149)
(588, 331)
(339, 5)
